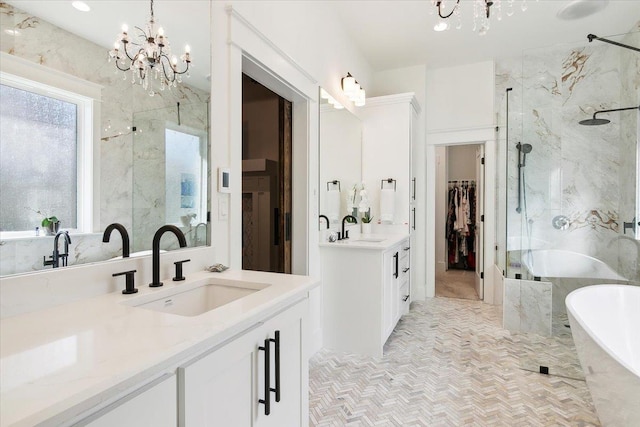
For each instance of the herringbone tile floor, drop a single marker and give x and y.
(448, 363)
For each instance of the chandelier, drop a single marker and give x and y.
(147, 56)
(482, 11)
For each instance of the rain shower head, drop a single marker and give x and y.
(595, 121)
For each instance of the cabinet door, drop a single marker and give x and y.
(391, 273)
(288, 371)
(216, 389)
(152, 405)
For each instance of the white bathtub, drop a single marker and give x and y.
(562, 263)
(605, 323)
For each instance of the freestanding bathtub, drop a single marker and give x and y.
(605, 323)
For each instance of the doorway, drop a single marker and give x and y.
(266, 179)
(460, 221)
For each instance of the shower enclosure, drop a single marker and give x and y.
(571, 209)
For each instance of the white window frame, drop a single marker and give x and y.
(32, 77)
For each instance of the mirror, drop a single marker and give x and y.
(151, 152)
(340, 162)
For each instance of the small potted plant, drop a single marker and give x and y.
(50, 223)
(366, 222)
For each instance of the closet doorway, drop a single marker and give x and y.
(266, 179)
(460, 221)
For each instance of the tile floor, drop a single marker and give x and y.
(448, 363)
(456, 284)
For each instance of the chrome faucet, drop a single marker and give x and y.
(123, 233)
(56, 257)
(156, 250)
(195, 233)
(345, 234)
(326, 219)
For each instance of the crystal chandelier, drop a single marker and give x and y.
(147, 55)
(482, 11)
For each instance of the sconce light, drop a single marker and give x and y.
(352, 89)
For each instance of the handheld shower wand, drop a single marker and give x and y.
(523, 150)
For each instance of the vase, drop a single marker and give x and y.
(52, 228)
(366, 228)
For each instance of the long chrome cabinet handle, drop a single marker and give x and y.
(267, 380)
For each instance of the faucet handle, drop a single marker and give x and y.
(179, 276)
(130, 287)
(45, 262)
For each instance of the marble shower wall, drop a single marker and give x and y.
(46, 44)
(587, 173)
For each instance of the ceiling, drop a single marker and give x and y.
(389, 33)
(398, 33)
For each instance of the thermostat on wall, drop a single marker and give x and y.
(223, 180)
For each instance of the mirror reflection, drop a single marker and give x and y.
(340, 162)
(89, 148)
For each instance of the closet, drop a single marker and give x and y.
(461, 225)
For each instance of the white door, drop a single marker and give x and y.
(479, 239)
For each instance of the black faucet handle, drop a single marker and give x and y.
(130, 287)
(346, 234)
(179, 276)
(49, 262)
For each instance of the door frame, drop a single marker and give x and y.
(482, 135)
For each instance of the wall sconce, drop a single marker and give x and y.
(352, 89)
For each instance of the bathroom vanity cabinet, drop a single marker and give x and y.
(366, 289)
(128, 366)
(226, 386)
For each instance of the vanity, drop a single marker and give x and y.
(366, 289)
(217, 349)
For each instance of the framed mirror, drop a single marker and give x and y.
(139, 154)
(340, 162)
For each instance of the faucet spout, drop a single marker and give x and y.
(326, 219)
(57, 256)
(156, 250)
(354, 219)
(123, 233)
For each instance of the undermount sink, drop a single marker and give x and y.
(201, 298)
(364, 239)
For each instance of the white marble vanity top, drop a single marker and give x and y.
(59, 362)
(367, 241)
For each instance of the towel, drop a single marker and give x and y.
(387, 204)
(333, 205)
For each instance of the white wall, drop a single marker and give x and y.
(441, 209)
(461, 161)
(460, 97)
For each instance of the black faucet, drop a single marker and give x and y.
(326, 219)
(57, 256)
(156, 250)
(123, 233)
(346, 236)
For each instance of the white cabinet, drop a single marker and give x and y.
(362, 299)
(154, 404)
(227, 386)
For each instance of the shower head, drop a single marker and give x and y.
(595, 121)
(526, 148)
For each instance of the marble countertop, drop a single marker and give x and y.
(367, 241)
(59, 362)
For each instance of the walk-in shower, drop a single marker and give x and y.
(595, 121)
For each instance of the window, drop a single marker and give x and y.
(45, 157)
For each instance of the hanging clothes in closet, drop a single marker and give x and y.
(461, 218)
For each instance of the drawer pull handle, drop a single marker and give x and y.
(407, 248)
(395, 271)
(277, 357)
(405, 270)
(406, 297)
(267, 380)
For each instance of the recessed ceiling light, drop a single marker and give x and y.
(441, 26)
(578, 9)
(81, 6)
